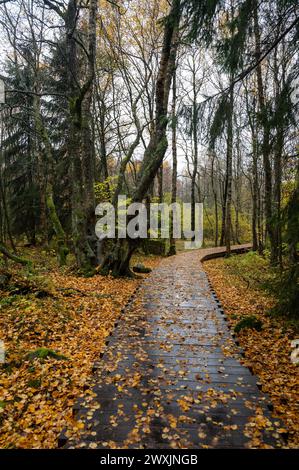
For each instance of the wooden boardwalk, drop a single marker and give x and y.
(171, 375)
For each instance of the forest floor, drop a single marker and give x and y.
(240, 283)
(54, 325)
(172, 375)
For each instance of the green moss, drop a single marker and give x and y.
(251, 322)
(6, 301)
(140, 268)
(62, 248)
(45, 353)
(35, 383)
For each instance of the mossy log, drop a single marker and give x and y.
(13, 257)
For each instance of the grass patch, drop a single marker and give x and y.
(6, 301)
(252, 269)
(283, 287)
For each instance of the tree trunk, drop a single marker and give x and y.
(238, 185)
(5, 213)
(214, 190)
(47, 167)
(292, 232)
(172, 247)
(117, 261)
(277, 249)
(88, 149)
(195, 144)
(278, 149)
(228, 222)
(82, 170)
(266, 135)
(160, 183)
(223, 208)
(254, 194)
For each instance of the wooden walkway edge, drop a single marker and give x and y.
(206, 254)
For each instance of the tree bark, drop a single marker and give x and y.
(238, 184)
(214, 190)
(229, 156)
(254, 193)
(223, 207)
(79, 138)
(172, 247)
(266, 134)
(88, 149)
(255, 178)
(47, 168)
(160, 183)
(278, 149)
(195, 154)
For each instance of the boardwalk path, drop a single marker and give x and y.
(171, 376)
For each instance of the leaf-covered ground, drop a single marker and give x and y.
(267, 352)
(171, 375)
(67, 316)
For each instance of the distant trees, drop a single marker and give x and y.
(265, 85)
(74, 62)
(193, 78)
(19, 156)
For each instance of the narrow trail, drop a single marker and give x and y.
(171, 375)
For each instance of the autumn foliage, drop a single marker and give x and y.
(54, 326)
(267, 349)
